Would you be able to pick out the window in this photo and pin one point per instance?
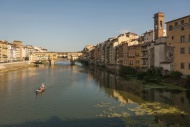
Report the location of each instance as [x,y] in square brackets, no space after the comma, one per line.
[189,66]
[176,23]
[156,23]
[182,28]
[160,24]
[156,27]
[182,65]
[183,38]
[172,37]
[182,21]
[170,28]
[182,50]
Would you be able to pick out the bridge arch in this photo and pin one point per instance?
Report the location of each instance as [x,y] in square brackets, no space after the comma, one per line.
[52,57]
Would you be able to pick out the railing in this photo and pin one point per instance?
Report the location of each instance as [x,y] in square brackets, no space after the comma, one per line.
[144,56]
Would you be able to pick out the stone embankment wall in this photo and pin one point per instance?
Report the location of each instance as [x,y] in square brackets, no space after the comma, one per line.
[13,66]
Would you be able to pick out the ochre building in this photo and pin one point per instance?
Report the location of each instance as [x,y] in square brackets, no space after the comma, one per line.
[178,36]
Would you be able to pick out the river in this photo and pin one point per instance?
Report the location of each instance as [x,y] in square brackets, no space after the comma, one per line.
[79,96]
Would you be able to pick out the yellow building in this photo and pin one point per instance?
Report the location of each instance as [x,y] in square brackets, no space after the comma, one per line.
[178,35]
[138,56]
[99,53]
[131,55]
[125,54]
[18,46]
[120,55]
[134,57]
[92,56]
[3,51]
[96,53]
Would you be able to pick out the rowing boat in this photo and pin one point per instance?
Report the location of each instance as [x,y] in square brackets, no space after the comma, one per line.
[41,89]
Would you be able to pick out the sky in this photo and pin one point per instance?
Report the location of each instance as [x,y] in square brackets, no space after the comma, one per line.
[70,25]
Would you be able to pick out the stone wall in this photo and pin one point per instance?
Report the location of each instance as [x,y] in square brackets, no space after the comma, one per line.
[12,66]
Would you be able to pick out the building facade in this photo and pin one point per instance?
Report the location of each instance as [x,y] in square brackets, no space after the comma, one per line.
[149,36]
[178,36]
[160,49]
[152,49]
[3,51]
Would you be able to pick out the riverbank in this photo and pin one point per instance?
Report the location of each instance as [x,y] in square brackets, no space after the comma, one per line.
[4,67]
[166,83]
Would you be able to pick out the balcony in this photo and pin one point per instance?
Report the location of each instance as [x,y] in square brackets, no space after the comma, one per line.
[5,56]
[144,56]
[137,55]
[144,50]
[131,56]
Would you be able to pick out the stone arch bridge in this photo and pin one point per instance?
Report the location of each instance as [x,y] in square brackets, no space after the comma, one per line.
[52,57]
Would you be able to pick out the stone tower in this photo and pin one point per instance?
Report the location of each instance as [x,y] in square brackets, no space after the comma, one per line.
[158,25]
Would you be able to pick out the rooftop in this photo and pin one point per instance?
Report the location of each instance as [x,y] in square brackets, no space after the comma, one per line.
[178,19]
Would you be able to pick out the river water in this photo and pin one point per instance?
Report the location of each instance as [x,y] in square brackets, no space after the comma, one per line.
[79,96]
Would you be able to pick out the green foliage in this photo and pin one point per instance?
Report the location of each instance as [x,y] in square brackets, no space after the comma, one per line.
[140,75]
[126,70]
[150,73]
[101,66]
[84,62]
[175,74]
[188,94]
[154,75]
[147,78]
[155,72]
[188,81]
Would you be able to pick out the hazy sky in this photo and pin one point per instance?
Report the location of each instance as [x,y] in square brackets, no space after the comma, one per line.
[70,25]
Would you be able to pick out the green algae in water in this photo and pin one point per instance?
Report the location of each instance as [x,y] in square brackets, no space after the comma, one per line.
[145,114]
[166,115]
[155,108]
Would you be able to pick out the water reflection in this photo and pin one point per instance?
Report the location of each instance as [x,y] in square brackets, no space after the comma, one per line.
[169,107]
[79,96]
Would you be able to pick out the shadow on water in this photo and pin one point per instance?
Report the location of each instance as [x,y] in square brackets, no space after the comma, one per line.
[140,121]
[57,122]
[157,121]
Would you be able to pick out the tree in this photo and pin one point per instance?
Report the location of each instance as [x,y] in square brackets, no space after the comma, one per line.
[188,81]
[175,74]
[126,70]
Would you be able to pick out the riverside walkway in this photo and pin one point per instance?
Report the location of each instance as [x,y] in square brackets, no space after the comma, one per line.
[13,66]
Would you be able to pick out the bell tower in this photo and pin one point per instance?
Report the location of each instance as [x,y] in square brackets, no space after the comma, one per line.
[158,25]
